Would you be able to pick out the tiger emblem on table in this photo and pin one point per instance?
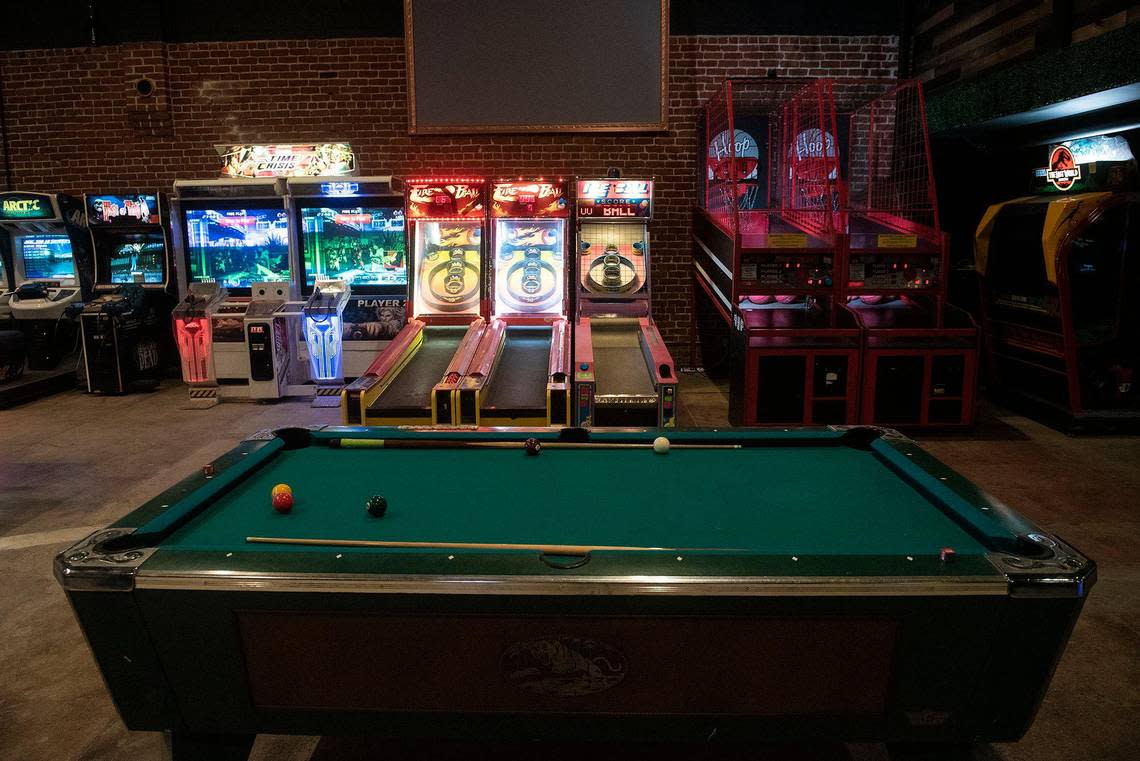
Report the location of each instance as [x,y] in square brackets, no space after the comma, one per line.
[563,666]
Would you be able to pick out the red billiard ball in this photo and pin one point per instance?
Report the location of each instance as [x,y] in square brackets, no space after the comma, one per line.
[283,502]
[532,447]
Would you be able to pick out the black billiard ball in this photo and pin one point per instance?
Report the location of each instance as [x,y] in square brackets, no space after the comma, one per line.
[532,446]
[377,506]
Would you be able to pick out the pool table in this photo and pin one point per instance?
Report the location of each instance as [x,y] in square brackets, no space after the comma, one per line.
[780,585]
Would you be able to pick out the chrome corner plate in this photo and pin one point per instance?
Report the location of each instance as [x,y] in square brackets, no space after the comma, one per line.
[890,434]
[1060,572]
[87,566]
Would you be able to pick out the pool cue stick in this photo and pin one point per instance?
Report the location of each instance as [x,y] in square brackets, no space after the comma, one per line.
[550,549]
[350,443]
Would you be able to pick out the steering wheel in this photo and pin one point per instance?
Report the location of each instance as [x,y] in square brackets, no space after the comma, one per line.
[32,291]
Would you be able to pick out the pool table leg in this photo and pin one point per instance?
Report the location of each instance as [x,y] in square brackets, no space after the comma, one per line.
[190,746]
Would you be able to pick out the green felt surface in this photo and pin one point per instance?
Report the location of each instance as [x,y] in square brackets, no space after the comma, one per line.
[828,500]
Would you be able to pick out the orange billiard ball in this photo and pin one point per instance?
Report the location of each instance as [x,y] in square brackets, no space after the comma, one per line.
[283,502]
[279,488]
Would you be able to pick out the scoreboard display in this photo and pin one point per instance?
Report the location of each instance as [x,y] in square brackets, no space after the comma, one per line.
[615,198]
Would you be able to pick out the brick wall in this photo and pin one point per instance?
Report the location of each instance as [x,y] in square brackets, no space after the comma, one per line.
[76,124]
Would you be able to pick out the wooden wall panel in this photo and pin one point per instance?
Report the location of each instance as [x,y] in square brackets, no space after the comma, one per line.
[954,40]
[1092,18]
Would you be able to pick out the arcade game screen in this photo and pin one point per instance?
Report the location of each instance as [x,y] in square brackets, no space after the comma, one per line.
[238,247]
[612,258]
[46,257]
[138,259]
[529,266]
[363,245]
[1017,263]
[448,266]
[137,209]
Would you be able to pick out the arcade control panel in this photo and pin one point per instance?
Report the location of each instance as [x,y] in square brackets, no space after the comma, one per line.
[788,271]
[887,273]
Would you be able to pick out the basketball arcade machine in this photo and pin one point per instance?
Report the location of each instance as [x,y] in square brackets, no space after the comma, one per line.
[233,239]
[349,235]
[767,253]
[127,339]
[1061,270]
[413,381]
[920,355]
[520,374]
[44,238]
[623,374]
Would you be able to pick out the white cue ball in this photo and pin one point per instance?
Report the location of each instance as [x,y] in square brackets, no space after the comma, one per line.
[661,445]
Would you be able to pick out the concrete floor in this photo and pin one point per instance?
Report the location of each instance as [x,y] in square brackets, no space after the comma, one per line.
[72,463]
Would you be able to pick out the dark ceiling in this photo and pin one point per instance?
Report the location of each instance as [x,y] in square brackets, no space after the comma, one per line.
[77,23]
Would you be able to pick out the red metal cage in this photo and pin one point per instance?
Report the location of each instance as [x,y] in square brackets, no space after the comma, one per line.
[890,180]
[721,172]
[798,168]
[919,360]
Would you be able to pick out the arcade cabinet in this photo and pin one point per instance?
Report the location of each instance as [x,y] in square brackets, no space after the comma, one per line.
[322,324]
[350,238]
[413,380]
[767,253]
[623,374]
[1060,272]
[272,336]
[50,254]
[127,339]
[920,357]
[520,374]
[191,320]
[6,288]
[12,346]
[234,234]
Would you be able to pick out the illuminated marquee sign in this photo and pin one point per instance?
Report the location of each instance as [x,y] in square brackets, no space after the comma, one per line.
[122,210]
[297,160]
[1099,162]
[446,199]
[615,198]
[17,207]
[1063,170]
[529,198]
[340,188]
